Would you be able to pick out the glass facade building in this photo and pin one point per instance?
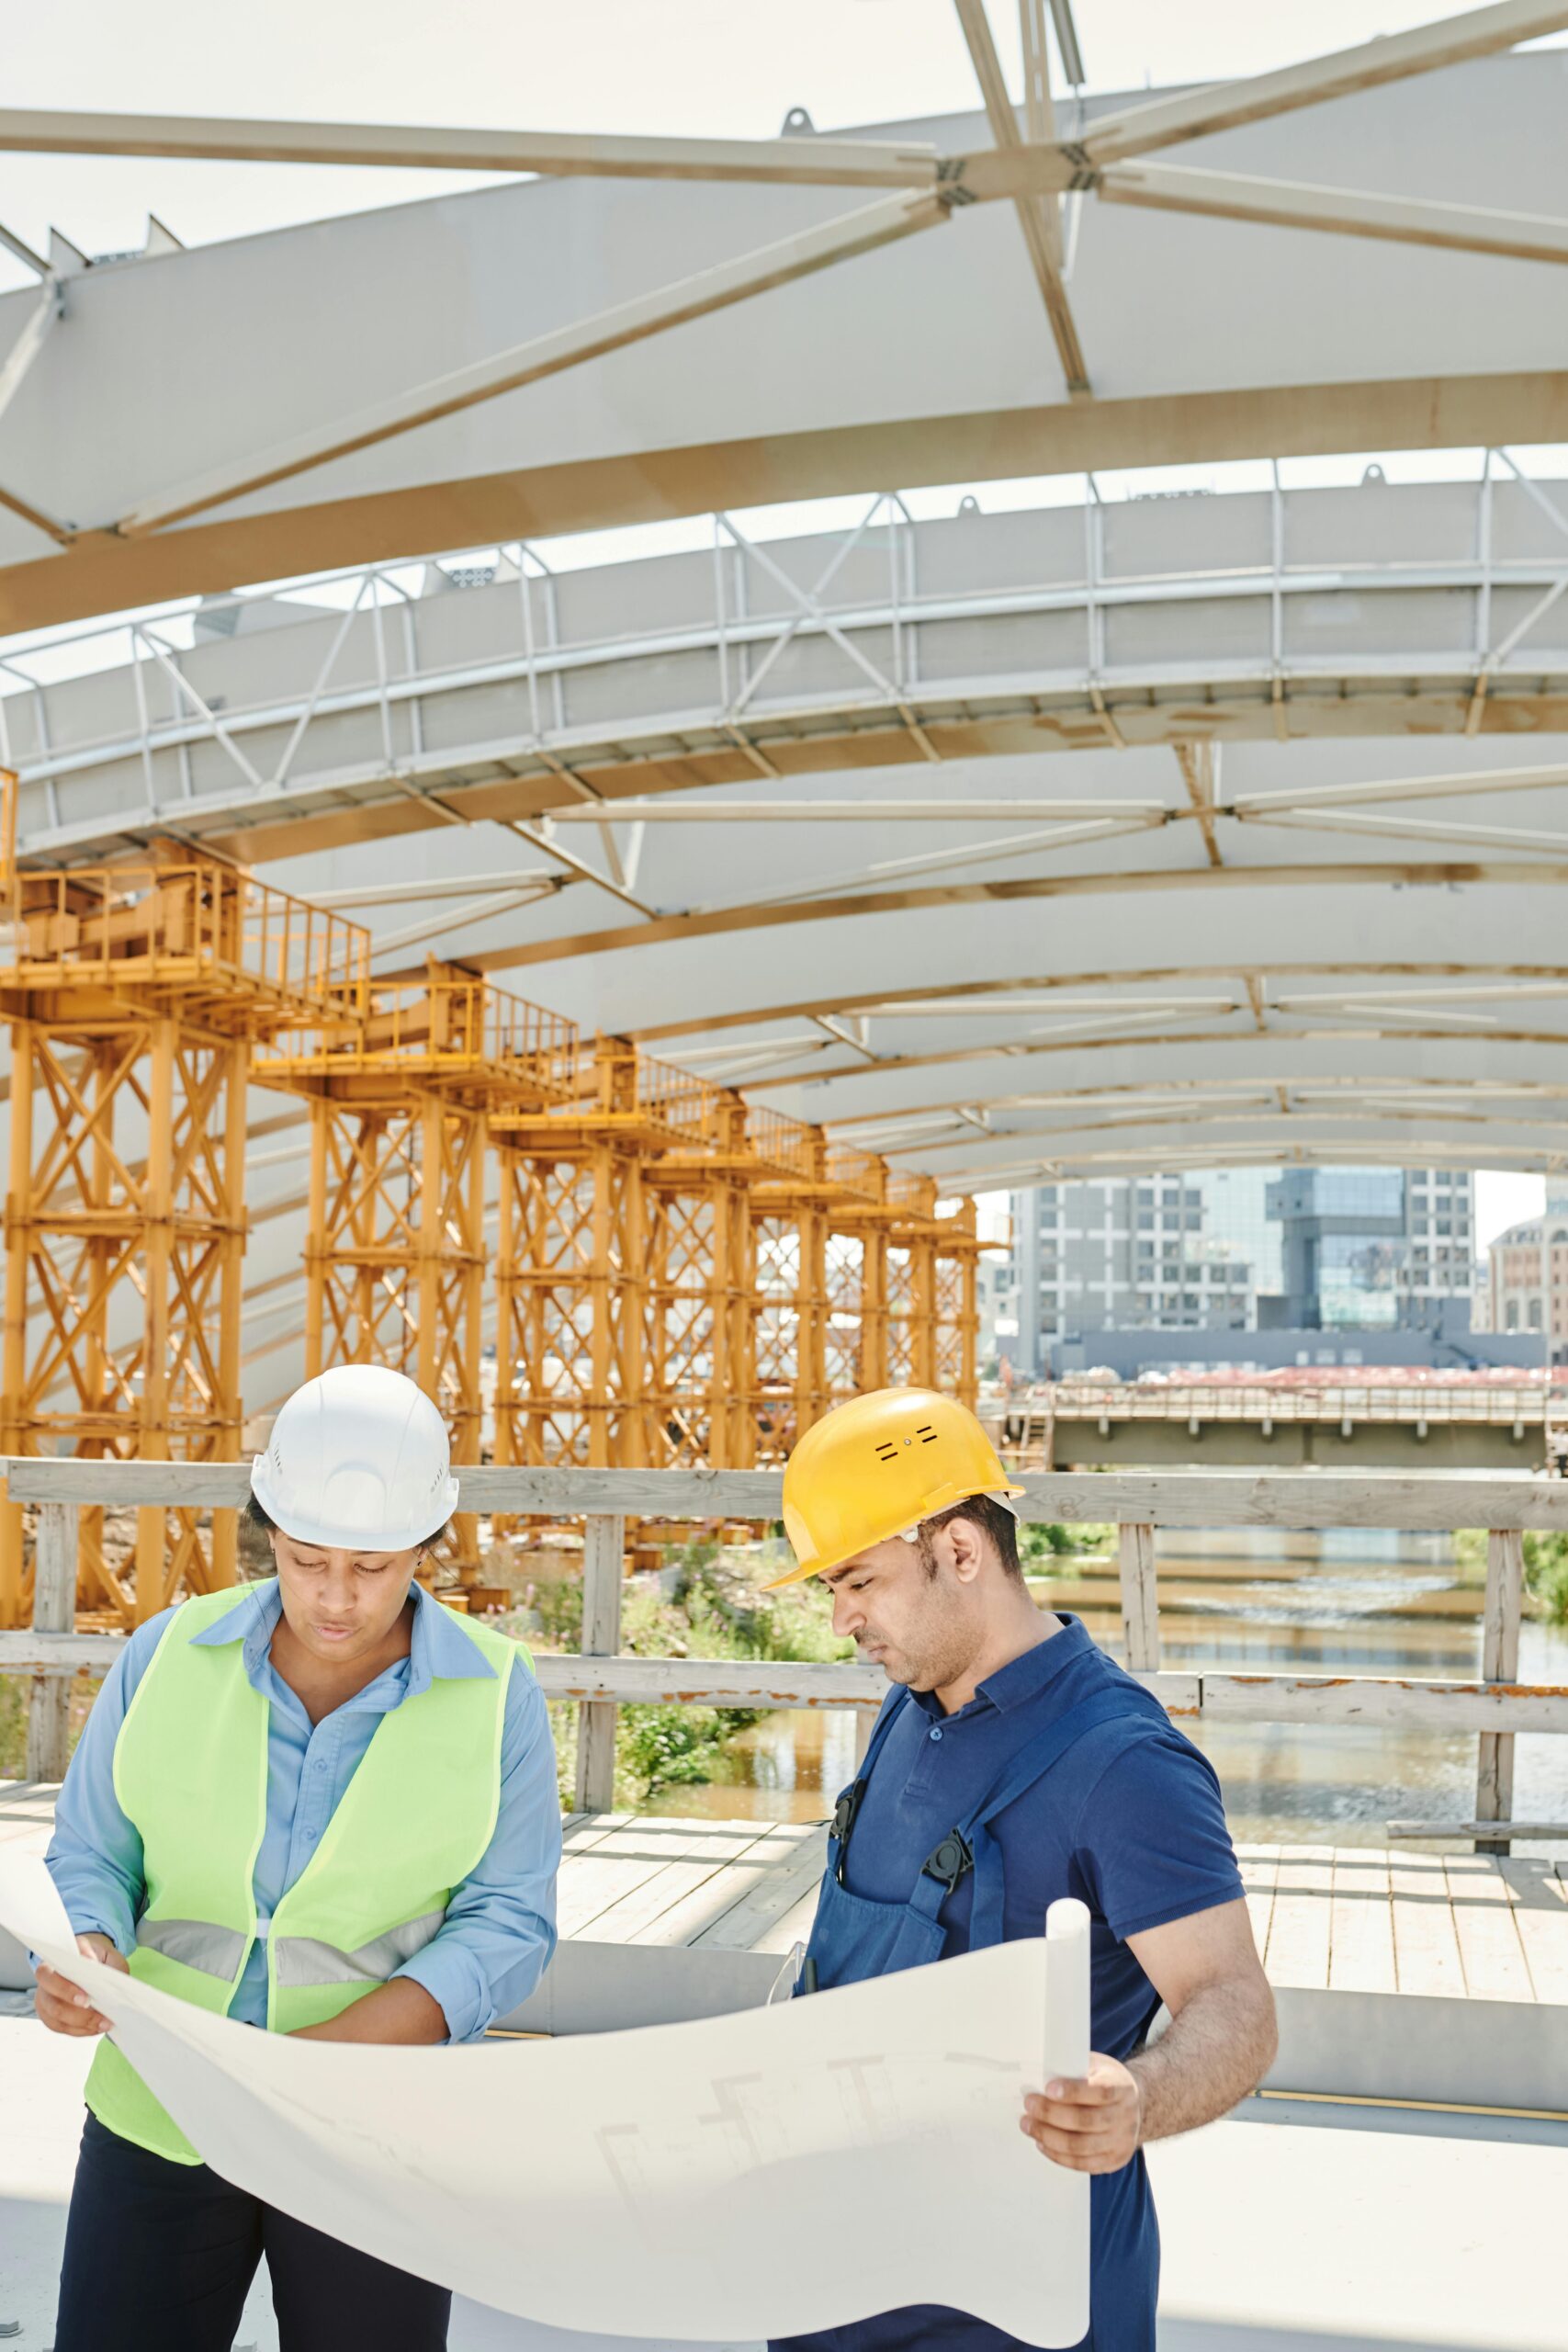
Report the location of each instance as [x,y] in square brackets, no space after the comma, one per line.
[1247,1248]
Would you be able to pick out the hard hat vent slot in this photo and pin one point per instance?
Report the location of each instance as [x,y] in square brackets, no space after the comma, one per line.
[885,1452]
[925,1434]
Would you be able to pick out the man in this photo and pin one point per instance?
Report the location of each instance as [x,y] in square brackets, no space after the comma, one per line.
[1014,1762]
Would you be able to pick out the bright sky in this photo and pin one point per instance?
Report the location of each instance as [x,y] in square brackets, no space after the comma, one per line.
[1504,1198]
[714,67]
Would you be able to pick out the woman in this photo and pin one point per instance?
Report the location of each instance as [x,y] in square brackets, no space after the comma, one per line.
[323,1805]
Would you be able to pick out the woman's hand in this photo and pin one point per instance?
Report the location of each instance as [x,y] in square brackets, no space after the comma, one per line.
[62,2005]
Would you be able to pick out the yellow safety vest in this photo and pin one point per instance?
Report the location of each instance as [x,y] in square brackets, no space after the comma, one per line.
[190,1772]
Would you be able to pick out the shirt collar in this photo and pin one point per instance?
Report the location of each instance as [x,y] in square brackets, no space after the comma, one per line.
[1022,1678]
[1025,1677]
[439,1649]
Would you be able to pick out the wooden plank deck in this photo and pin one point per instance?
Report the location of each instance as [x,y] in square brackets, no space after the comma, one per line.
[1347,1919]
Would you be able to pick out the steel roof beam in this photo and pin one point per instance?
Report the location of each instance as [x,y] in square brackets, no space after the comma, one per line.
[809,161]
[1225,105]
[1345,212]
[866,812]
[959,996]
[724,921]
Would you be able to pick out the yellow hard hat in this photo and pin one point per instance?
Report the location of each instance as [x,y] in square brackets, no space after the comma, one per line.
[876,1467]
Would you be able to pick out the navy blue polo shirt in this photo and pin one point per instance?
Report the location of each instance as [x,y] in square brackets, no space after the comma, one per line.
[1131,1821]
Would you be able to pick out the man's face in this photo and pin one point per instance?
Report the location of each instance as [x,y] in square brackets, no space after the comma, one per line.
[908,1612]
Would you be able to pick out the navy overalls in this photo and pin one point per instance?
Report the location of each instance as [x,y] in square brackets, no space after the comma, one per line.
[853,1937]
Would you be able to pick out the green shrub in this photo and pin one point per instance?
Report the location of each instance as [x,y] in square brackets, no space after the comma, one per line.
[14,1692]
[1546,1567]
[710,1602]
[1040,1548]
[13,1727]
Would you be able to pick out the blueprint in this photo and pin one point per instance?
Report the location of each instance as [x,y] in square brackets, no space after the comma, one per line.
[764,2174]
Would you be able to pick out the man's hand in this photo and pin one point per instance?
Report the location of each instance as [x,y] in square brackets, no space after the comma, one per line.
[61,2005]
[1089,2126]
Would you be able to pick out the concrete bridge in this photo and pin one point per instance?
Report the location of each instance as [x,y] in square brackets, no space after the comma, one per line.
[1403,1425]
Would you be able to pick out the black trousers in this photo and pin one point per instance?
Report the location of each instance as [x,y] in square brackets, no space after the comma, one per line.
[159,2257]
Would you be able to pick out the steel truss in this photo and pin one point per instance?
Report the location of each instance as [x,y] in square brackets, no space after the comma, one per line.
[134,994]
[372,723]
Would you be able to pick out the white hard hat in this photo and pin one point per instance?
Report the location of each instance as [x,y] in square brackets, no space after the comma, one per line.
[358,1460]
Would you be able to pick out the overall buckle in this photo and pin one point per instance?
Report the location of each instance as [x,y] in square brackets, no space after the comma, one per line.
[845,1814]
[947,1862]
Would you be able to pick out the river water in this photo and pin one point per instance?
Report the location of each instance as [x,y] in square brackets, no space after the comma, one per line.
[1334,1605]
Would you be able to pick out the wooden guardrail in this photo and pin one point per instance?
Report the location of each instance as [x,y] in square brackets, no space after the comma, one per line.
[1495,1707]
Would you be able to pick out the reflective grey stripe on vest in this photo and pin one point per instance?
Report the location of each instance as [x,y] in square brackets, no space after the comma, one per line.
[196,1943]
[303,1960]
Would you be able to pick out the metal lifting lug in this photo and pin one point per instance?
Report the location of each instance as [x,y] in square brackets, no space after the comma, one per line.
[948,1861]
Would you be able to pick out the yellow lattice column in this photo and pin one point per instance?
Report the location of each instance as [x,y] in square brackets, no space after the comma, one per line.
[701,1282]
[688,1327]
[811,1267]
[957,1305]
[449,1301]
[395,1256]
[571,1285]
[606,1278]
[617,1405]
[15,1597]
[738,1422]
[873,1308]
[125,1230]
[842,1327]
[913,1284]
[158,1246]
[812,1396]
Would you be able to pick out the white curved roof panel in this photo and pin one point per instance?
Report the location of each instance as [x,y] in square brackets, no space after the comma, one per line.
[930,359]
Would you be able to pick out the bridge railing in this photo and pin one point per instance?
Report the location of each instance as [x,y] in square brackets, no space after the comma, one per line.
[1496,1707]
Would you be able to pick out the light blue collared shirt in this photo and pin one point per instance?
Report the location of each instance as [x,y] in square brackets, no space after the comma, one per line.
[500,1929]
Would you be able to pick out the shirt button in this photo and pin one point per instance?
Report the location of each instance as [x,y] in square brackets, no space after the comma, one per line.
[936,1731]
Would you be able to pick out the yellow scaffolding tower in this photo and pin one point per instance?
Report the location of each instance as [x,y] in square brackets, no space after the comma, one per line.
[573,1352]
[395,1252]
[134,994]
[703,1279]
[808,1317]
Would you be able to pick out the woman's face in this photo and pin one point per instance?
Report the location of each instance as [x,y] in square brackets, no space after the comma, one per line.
[341,1605]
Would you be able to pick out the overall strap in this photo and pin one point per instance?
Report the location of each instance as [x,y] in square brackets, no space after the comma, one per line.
[967,1846]
[1036,1758]
[848,1807]
[1029,1767]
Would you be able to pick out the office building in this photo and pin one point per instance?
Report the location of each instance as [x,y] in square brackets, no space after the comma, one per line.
[1237,1249]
